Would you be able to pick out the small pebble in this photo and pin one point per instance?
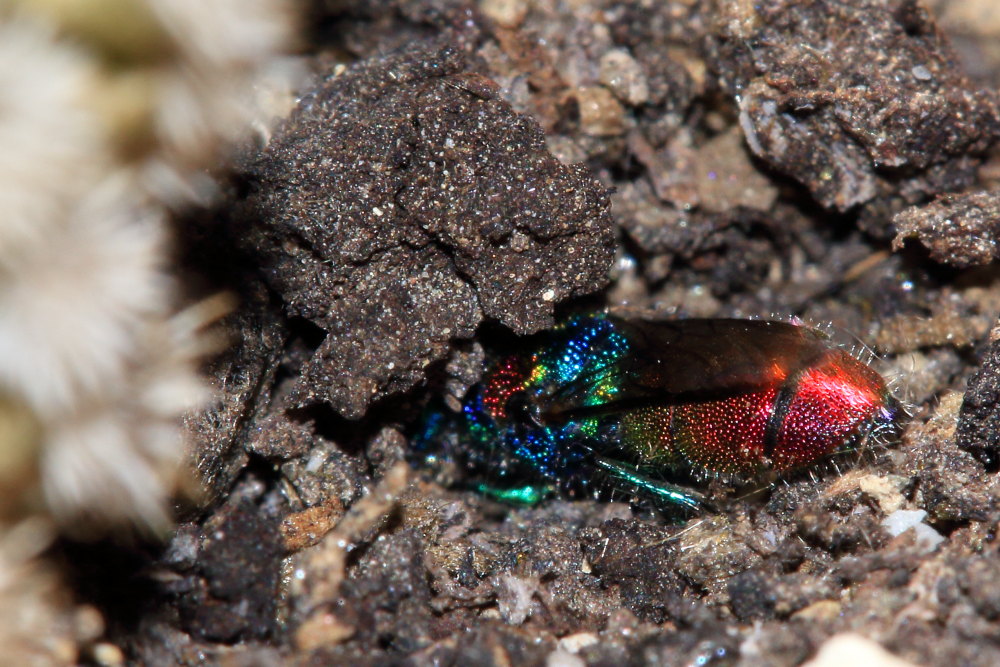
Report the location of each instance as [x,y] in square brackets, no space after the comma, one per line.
[900,521]
[601,115]
[622,74]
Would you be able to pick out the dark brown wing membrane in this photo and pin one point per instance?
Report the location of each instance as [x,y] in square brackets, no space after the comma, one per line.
[684,361]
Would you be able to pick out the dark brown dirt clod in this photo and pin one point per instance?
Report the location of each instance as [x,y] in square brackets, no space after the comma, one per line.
[978,429]
[958,230]
[400,204]
[834,93]
[243,378]
[232,592]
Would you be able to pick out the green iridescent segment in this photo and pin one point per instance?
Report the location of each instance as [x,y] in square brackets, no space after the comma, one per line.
[590,354]
[586,361]
[528,495]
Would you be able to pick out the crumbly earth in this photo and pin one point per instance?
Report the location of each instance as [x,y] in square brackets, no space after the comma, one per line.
[728,159]
[402,202]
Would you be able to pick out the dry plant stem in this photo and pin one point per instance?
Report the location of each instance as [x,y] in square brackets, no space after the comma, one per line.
[330,557]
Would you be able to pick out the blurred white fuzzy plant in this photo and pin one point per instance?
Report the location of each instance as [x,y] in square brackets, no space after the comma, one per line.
[111,112]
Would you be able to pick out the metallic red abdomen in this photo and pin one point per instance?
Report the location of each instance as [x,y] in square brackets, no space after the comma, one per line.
[829,404]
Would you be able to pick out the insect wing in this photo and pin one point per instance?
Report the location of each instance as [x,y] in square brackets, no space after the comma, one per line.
[687,361]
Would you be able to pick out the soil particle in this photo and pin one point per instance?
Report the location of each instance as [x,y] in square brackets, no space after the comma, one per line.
[978,428]
[951,485]
[624,554]
[232,591]
[834,93]
[726,179]
[243,378]
[957,230]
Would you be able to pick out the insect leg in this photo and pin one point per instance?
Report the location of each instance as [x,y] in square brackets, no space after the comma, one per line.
[658,490]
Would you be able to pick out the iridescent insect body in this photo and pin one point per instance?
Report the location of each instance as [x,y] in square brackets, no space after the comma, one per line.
[647,403]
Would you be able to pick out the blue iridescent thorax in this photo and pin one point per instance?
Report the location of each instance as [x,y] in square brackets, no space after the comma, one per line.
[503,412]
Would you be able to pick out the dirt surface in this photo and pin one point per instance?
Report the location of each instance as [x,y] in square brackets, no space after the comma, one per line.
[404,195]
[456,165]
